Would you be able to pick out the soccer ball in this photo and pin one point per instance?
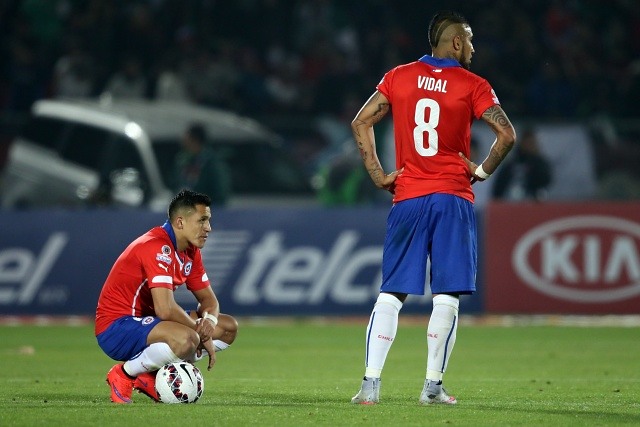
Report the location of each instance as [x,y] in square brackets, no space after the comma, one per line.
[179,382]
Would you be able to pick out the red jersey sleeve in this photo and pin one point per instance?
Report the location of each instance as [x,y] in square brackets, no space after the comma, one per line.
[157,264]
[386,83]
[483,97]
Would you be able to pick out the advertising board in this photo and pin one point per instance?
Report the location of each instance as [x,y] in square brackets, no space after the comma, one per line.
[581,258]
[293,262]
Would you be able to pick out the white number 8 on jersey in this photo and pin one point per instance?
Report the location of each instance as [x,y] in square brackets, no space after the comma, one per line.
[429,127]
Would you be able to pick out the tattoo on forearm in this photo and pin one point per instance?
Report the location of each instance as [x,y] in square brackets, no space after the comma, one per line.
[376,174]
[496,156]
[356,128]
[361,149]
[375,109]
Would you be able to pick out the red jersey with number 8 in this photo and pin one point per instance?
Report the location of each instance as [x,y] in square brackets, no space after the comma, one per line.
[433,103]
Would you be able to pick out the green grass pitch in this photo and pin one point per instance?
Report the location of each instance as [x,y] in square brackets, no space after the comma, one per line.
[304,373]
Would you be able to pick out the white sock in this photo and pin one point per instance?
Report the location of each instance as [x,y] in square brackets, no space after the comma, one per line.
[150,359]
[381,332]
[219,346]
[441,334]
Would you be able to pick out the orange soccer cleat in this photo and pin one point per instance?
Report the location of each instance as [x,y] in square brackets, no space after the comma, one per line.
[146,383]
[121,384]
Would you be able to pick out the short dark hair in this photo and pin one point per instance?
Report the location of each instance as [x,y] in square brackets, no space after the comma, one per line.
[187,199]
[440,22]
[197,131]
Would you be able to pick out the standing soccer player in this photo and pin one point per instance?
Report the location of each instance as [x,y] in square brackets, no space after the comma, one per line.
[138,320]
[433,101]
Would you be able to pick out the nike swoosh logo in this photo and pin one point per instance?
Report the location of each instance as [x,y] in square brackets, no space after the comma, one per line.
[120,395]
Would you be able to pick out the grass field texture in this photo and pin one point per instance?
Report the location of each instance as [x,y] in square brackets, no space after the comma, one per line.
[304,373]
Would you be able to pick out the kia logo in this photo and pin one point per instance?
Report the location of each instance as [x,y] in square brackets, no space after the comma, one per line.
[588,259]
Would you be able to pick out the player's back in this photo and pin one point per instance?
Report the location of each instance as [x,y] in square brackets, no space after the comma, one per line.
[433,103]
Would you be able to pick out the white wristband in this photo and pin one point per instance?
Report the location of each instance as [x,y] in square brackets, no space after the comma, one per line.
[480,173]
[211,317]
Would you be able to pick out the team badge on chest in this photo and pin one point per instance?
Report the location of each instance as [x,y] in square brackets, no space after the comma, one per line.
[187,268]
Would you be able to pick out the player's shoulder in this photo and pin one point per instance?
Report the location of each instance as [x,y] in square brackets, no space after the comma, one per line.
[476,78]
[409,67]
[462,73]
[154,239]
[402,73]
[465,80]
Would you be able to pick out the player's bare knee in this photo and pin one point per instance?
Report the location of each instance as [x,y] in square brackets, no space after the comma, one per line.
[194,341]
[230,327]
[185,343]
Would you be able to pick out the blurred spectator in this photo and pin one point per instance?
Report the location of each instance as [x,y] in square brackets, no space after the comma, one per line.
[26,76]
[336,131]
[128,81]
[526,175]
[344,182]
[252,88]
[139,34]
[199,168]
[550,93]
[169,85]
[73,74]
[282,83]
[211,79]
[338,170]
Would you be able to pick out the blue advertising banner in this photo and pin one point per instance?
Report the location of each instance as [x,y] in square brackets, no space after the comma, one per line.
[292,262]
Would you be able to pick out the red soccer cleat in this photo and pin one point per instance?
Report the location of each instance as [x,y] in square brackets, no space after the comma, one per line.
[146,383]
[121,384]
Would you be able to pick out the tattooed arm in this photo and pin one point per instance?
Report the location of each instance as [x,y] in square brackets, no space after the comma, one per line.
[498,121]
[376,107]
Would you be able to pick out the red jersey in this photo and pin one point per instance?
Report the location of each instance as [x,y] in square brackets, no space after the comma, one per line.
[433,103]
[150,261]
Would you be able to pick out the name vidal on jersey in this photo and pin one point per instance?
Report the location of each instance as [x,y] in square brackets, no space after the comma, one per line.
[429,83]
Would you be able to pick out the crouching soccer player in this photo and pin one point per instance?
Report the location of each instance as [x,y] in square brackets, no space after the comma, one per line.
[138,321]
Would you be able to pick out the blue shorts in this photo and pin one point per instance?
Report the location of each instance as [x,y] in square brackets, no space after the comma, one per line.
[440,228]
[126,337]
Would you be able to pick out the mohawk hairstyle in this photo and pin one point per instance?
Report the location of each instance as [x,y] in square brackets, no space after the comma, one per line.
[440,22]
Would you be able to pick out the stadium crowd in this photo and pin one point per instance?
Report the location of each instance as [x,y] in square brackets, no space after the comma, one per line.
[548,58]
[297,60]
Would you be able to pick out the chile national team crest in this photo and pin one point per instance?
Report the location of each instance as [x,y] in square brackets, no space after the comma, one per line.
[187,268]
